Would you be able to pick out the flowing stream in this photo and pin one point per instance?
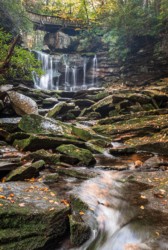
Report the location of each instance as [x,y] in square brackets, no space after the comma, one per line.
[116,213]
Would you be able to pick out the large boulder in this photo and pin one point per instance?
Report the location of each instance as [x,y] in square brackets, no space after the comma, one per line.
[22,104]
[84,156]
[44,155]
[40,125]
[35,142]
[31,217]
[60,41]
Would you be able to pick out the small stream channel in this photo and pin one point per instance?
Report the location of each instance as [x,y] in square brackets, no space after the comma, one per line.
[116,216]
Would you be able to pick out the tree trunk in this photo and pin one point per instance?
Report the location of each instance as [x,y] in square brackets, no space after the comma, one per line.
[5,64]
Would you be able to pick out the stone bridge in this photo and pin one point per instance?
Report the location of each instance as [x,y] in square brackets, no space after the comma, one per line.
[55,23]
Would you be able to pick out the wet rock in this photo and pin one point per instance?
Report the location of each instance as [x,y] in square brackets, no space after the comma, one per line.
[68,116]
[103,106]
[152,163]
[97,97]
[35,142]
[60,109]
[50,101]
[81,133]
[122,151]
[30,221]
[77,204]
[56,109]
[43,155]
[138,97]
[4,88]
[101,142]
[22,104]
[93,116]
[84,156]
[3,134]
[154,147]
[79,230]
[51,177]
[84,103]
[9,124]
[17,136]
[8,166]
[77,173]
[27,171]
[40,125]
[148,107]
[1,105]
[94,148]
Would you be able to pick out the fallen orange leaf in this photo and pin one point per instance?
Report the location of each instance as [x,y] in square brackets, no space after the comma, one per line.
[2,197]
[65,202]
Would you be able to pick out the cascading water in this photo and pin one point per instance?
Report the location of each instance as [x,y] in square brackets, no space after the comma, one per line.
[85,61]
[94,69]
[65,72]
[74,74]
[46,80]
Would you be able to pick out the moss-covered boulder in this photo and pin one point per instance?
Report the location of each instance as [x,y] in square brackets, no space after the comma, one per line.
[94,148]
[84,156]
[45,155]
[79,230]
[77,173]
[51,177]
[103,106]
[35,142]
[84,103]
[60,109]
[81,133]
[28,219]
[39,125]
[27,171]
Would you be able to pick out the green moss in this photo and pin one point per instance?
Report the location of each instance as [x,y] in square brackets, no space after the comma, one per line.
[79,231]
[77,204]
[81,133]
[83,155]
[17,136]
[44,142]
[56,109]
[44,155]
[75,173]
[26,171]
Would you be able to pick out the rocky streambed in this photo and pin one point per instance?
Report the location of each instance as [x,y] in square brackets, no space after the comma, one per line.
[84,170]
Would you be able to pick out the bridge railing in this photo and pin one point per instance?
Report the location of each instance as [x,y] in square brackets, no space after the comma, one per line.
[54,20]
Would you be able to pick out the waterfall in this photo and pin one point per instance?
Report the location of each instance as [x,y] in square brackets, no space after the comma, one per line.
[74,75]
[67,73]
[94,70]
[84,72]
[64,72]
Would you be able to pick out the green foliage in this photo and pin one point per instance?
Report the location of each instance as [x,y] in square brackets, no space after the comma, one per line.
[22,63]
[13,17]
